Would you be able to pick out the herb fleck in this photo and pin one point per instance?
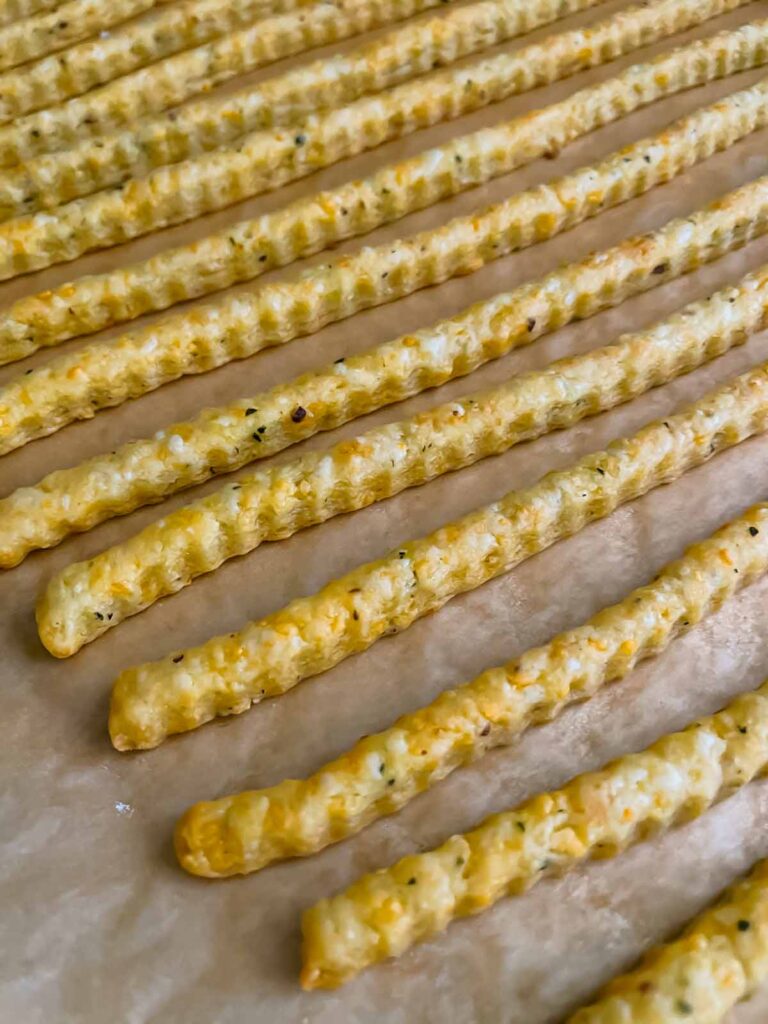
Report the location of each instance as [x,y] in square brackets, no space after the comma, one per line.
[298,414]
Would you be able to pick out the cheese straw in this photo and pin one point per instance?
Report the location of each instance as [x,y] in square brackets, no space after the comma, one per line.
[47,181]
[381,773]
[248,248]
[77,385]
[597,815]
[89,597]
[229,673]
[720,959]
[137,140]
[170,28]
[224,438]
[47,32]
[264,160]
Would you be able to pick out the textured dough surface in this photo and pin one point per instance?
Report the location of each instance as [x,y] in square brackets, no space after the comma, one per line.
[47,181]
[720,959]
[76,386]
[143,143]
[160,32]
[15,10]
[228,674]
[381,773]
[50,31]
[249,248]
[597,815]
[230,436]
[264,160]
[210,122]
[274,503]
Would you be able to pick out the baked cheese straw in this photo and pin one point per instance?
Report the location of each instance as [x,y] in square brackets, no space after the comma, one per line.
[331,82]
[275,239]
[75,386]
[266,160]
[157,34]
[596,815]
[381,773]
[720,959]
[47,181]
[230,436]
[228,674]
[89,597]
[73,21]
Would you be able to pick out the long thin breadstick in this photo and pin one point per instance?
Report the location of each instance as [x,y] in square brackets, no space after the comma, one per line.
[157,34]
[275,239]
[76,386]
[596,815]
[88,597]
[208,123]
[228,674]
[381,773]
[720,959]
[50,31]
[47,181]
[223,438]
[264,160]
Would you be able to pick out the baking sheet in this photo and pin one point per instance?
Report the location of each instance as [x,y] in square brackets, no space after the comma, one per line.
[99,924]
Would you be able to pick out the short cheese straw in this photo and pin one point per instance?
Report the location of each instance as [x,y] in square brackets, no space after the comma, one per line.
[230,436]
[597,815]
[89,597]
[381,773]
[250,247]
[720,959]
[228,674]
[47,181]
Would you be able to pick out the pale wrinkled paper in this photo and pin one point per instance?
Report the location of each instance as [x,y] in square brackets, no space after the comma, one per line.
[98,922]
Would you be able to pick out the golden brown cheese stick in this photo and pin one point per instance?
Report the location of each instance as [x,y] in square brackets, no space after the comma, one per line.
[157,34]
[720,959]
[275,239]
[47,181]
[228,674]
[89,597]
[105,374]
[381,773]
[47,32]
[226,437]
[596,815]
[265,160]
[214,121]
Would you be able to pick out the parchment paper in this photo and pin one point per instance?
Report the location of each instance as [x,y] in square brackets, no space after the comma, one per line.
[98,923]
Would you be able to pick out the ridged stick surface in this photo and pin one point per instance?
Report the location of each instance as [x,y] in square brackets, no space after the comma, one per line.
[227,437]
[230,673]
